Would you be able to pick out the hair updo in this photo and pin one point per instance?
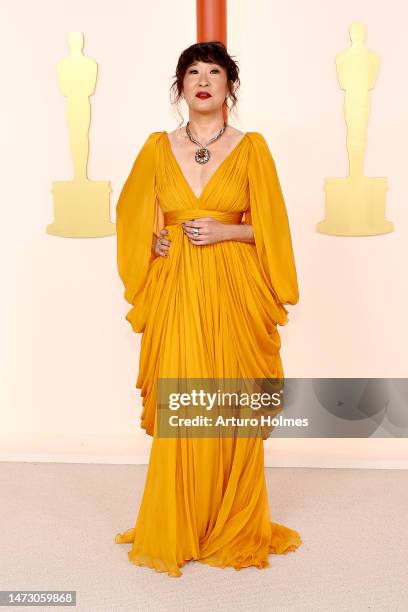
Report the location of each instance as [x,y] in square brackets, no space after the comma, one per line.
[213,52]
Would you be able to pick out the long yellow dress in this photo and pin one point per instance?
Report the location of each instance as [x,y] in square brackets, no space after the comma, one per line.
[205,311]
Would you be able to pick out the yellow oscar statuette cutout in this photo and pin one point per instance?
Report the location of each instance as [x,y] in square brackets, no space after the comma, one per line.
[355,205]
[81,206]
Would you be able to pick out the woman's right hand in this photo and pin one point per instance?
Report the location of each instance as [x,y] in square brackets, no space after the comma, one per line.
[162,244]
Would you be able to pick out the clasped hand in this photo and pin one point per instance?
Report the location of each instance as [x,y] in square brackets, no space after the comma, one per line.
[210,231]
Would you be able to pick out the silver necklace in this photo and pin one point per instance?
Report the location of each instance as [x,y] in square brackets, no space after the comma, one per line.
[202,155]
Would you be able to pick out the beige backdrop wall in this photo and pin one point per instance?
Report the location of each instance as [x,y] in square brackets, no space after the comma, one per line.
[69,358]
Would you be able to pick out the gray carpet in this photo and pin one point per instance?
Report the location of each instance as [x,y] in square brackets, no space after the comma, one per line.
[59,522]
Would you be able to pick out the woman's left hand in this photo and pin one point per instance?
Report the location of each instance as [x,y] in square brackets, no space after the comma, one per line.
[211,230]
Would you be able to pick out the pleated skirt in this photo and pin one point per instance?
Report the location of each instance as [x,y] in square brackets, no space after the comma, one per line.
[209,313]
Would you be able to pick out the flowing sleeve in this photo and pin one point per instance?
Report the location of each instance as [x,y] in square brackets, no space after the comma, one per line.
[267,213]
[137,218]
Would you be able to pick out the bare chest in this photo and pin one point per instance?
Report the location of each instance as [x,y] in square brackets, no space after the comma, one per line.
[198,175]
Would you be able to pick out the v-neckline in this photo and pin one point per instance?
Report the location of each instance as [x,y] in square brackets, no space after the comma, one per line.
[212,177]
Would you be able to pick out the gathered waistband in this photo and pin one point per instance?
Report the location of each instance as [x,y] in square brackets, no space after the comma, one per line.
[172,217]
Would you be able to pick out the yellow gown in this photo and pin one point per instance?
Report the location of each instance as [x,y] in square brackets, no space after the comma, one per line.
[205,311]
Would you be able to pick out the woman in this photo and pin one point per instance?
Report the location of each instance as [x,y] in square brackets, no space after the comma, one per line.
[205,255]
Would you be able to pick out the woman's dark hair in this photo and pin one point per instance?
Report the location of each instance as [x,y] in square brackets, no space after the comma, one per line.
[213,52]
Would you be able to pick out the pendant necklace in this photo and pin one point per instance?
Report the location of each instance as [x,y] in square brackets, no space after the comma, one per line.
[202,154]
